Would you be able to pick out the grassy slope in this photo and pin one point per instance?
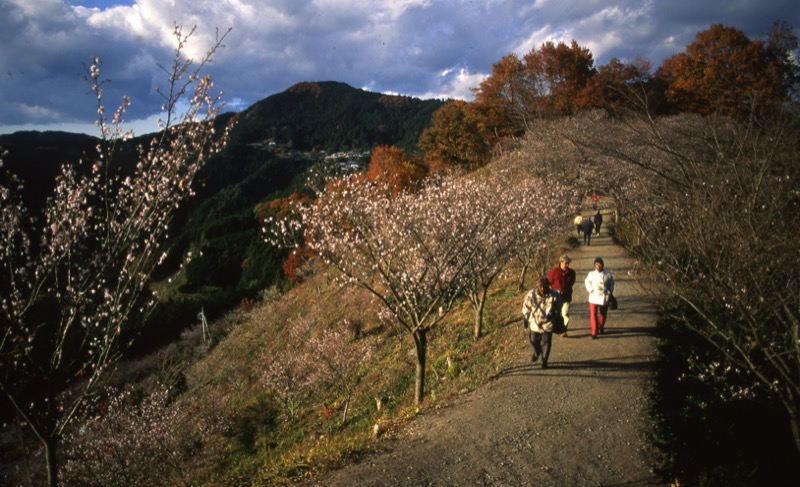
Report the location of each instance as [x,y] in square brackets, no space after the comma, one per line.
[266,446]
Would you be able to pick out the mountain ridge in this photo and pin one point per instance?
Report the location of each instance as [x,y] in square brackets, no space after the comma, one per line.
[332,116]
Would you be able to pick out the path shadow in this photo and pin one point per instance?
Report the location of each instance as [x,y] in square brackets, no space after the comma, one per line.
[635,363]
[627,332]
[613,332]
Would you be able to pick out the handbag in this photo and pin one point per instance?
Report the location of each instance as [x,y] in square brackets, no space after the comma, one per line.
[558,322]
[612,302]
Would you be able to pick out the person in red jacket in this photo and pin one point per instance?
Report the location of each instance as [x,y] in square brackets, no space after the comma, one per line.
[562,278]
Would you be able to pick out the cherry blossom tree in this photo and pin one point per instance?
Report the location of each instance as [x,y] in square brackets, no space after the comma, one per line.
[513,214]
[285,372]
[337,355]
[409,251]
[316,355]
[73,278]
[125,442]
[560,171]
[417,252]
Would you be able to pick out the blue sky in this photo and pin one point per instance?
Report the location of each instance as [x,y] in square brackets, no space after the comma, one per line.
[422,48]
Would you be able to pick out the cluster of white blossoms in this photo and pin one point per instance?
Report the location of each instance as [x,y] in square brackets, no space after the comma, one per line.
[420,251]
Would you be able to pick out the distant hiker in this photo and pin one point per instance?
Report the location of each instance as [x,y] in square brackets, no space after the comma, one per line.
[598,221]
[561,279]
[586,228]
[595,199]
[599,284]
[538,309]
[578,220]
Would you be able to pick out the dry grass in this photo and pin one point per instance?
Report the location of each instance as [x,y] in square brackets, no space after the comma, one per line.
[224,381]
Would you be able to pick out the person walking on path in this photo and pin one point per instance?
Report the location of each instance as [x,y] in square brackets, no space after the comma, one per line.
[537,310]
[586,228]
[561,278]
[598,221]
[599,284]
[578,221]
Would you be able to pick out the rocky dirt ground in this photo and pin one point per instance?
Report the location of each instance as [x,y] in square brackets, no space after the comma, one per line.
[580,422]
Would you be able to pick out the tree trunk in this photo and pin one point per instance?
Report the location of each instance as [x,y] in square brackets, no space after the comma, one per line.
[795,423]
[421,342]
[522,274]
[480,304]
[344,415]
[50,450]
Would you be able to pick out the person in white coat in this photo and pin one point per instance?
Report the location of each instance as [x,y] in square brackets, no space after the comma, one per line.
[599,284]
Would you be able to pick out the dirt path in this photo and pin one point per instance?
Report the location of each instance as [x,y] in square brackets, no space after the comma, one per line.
[580,422]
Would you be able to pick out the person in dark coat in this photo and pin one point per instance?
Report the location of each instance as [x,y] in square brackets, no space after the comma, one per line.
[562,279]
[586,228]
[598,221]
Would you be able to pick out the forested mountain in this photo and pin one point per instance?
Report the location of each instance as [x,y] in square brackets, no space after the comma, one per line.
[333,116]
[272,144]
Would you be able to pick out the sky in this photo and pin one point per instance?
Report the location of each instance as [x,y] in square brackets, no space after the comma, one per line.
[422,48]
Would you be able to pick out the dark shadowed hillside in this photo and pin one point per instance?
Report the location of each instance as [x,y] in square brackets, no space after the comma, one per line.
[36,156]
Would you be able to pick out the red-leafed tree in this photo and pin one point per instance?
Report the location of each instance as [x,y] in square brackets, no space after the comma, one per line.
[504,98]
[724,71]
[297,263]
[389,165]
[559,74]
[623,86]
[457,136]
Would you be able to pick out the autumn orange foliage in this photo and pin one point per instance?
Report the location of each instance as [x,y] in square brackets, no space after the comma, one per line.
[503,98]
[389,165]
[281,207]
[560,74]
[457,136]
[296,264]
[724,71]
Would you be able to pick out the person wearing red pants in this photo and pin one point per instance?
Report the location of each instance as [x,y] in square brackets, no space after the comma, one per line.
[599,284]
